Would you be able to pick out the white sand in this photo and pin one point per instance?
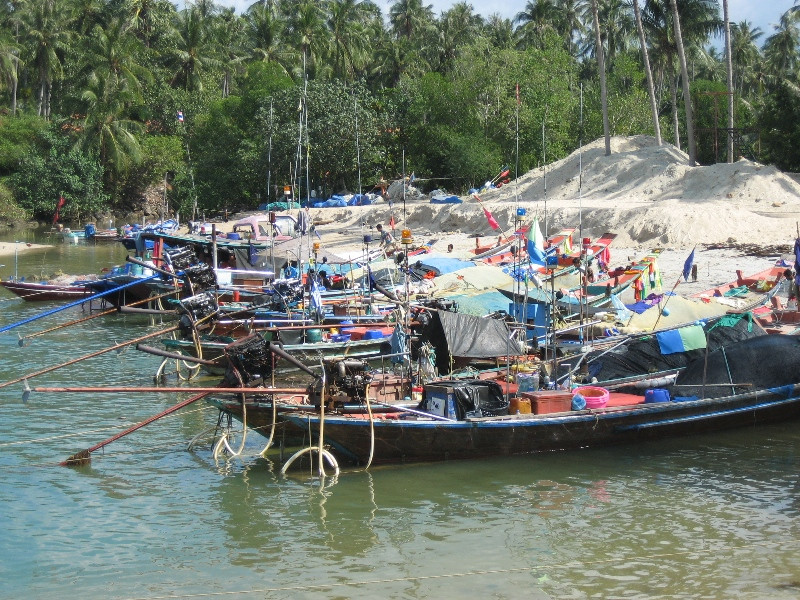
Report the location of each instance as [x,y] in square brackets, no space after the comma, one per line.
[648,195]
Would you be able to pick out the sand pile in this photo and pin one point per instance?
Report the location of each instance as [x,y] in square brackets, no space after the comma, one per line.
[646,194]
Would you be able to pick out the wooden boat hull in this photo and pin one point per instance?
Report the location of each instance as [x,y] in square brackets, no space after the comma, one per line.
[41,292]
[414,440]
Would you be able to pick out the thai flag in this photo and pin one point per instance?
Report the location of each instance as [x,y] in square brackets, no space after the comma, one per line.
[180,116]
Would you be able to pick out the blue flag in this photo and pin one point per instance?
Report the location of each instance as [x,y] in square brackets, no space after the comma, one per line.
[797,261]
[687,266]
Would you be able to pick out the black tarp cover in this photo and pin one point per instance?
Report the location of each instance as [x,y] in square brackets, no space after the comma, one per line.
[765,362]
[467,336]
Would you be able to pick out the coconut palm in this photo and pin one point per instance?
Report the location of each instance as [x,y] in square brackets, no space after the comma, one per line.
[781,48]
[651,92]
[308,36]
[499,31]
[409,18]
[9,64]
[687,99]
[47,31]
[458,27]
[265,29]
[745,54]
[569,23]
[348,22]
[535,21]
[194,52]
[602,71]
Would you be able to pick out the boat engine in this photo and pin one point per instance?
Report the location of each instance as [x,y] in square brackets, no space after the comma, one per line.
[196,308]
[346,382]
[180,258]
[201,277]
[249,360]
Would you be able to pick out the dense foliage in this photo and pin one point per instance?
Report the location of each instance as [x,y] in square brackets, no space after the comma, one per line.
[332,95]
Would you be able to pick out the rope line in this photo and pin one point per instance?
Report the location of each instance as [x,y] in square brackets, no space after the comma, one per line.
[421,578]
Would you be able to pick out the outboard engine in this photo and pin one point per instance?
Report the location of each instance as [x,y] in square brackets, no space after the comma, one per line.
[346,380]
[249,360]
[195,309]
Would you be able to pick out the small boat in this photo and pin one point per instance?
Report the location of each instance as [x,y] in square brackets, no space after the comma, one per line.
[722,390]
[69,289]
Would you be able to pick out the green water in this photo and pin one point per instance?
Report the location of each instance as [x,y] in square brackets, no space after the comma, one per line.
[715,516]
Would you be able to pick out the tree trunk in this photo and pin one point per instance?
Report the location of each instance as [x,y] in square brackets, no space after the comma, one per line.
[601,66]
[729,65]
[687,99]
[673,90]
[650,87]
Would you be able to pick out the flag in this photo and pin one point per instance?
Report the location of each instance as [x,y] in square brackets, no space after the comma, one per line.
[536,244]
[59,204]
[391,222]
[517,94]
[180,116]
[316,298]
[492,221]
[687,266]
[797,260]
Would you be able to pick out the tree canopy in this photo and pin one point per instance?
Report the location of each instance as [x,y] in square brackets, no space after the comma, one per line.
[333,95]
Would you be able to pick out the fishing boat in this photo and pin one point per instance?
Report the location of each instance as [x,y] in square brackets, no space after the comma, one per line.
[48,291]
[720,391]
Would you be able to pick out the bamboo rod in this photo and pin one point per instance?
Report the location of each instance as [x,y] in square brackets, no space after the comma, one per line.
[157,389]
[87,356]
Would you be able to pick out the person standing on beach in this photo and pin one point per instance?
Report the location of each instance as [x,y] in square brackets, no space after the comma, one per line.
[387,240]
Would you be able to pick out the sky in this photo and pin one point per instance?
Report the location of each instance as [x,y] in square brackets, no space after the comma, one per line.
[761,13]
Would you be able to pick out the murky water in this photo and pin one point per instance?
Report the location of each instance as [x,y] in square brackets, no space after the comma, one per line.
[715,516]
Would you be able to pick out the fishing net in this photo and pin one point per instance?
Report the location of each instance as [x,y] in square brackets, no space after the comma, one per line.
[642,355]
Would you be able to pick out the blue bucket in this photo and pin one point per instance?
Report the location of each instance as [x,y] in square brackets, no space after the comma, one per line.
[656,395]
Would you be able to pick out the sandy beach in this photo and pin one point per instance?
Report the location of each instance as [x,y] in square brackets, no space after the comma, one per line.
[10,248]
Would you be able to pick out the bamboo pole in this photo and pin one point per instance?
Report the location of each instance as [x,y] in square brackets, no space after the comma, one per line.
[87,356]
[168,389]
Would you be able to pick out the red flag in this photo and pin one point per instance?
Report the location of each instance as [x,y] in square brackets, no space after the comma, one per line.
[391,222]
[60,203]
[517,94]
[492,222]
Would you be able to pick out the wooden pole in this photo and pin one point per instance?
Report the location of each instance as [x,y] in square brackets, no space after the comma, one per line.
[173,389]
[87,356]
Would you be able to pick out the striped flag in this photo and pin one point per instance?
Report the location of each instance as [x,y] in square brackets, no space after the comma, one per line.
[180,116]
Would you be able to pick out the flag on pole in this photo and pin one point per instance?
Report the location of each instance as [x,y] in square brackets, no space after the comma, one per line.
[59,204]
[797,259]
[687,266]
[392,222]
[518,95]
[316,298]
[536,245]
[492,221]
[180,116]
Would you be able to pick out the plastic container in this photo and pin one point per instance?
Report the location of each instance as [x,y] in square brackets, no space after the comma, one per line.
[545,402]
[527,382]
[596,397]
[340,337]
[373,335]
[234,236]
[314,335]
[519,405]
[656,395]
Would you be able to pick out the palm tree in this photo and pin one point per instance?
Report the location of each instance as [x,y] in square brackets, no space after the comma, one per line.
[348,22]
[729,69]
[745,54]
[265,29]
[9,64]
[781,48]
[651,91]
[458,27]
[534,22]
[410,17]
[194,54]
[601,66]
[308,35]
[47,30]
[499,31]
[229,37]
[112,54]
[107,129]
[569,23]
[687,99]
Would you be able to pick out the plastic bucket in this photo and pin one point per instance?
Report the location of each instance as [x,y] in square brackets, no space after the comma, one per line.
[596,397]
[656,395]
